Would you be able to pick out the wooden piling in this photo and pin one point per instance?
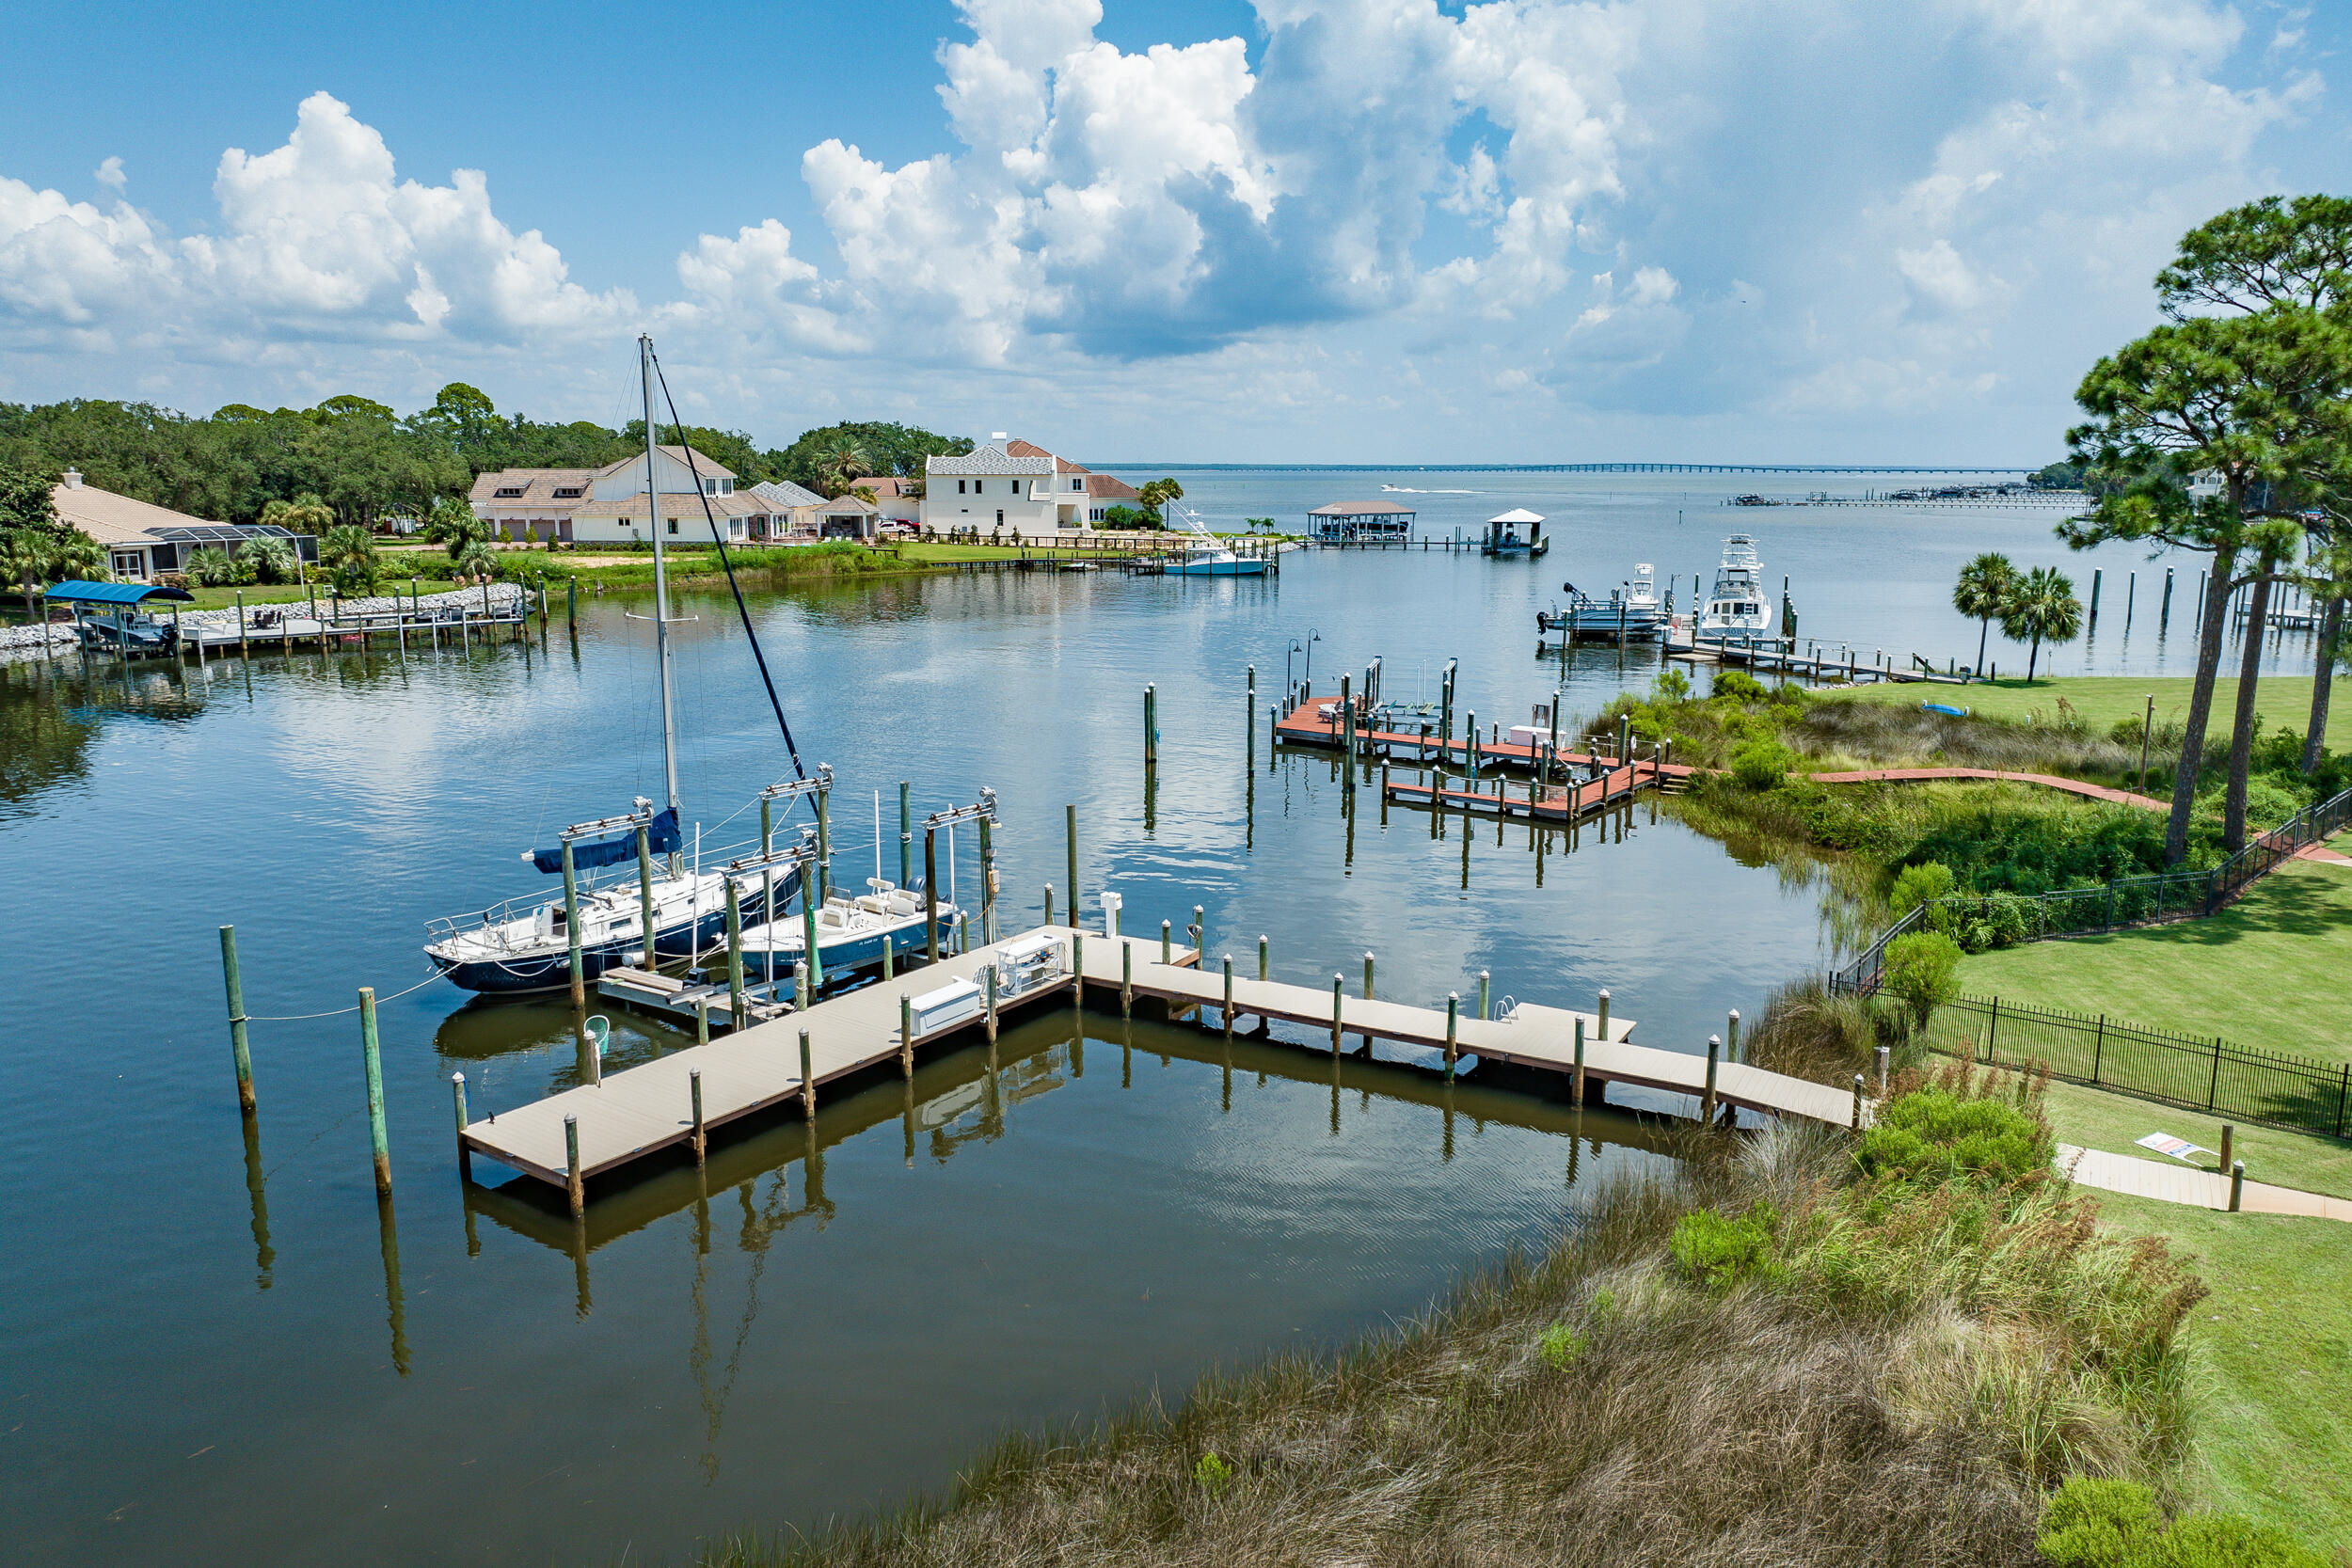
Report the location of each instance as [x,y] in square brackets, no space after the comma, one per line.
[1485,1006]
[2238,1187]
[987,884]
[887,948]
[645,895]
[1167,943]
[244,647]
[1069,826]
[1367,975]
[990,970]
[824,856]
[1264,958]
[906,1035]
[1126,978]
[1229,997]
[906,836]
[572,1185]
[377,1142]
[1249,718]
[1714,1053]
[571,929]
[465,1155]
[808,1080]
[701,1019]
[1453,1025]
[1603,1012]
[1576,1081]
[240,1049]
[931,894]
[1338,983]
[1151,727]
[695,1093]
[1731,1037]
[737,1016]
[1049,903]
[2229,1140]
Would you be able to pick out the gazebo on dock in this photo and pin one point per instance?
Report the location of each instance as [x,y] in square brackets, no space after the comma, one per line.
[1360,522]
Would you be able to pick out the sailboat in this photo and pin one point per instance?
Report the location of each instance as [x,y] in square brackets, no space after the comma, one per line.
[850,929]
[524,944]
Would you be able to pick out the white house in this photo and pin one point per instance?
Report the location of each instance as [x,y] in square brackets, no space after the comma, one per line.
[608,505]
[144,540]
[1011,486]
[795,513]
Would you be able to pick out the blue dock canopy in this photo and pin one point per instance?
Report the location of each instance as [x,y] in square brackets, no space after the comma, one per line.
[112,592]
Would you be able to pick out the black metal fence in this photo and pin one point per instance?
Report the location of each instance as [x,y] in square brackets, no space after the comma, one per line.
[2231,1081]
[2124,902]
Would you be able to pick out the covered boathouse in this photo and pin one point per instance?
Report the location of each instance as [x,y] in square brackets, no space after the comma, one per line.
[1359,522]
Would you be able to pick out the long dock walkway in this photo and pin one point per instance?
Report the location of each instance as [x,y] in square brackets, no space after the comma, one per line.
[2048,781]
[648,1108]
[1781,655]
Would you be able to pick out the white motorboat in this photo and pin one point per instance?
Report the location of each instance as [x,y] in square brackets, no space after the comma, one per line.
[1738,607]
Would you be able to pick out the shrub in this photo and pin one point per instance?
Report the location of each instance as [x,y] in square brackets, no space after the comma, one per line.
[1997,920]
[2092,1523]
[1761,765]
[1561,1345]
[1808,1031]
[1920,884]
[271,559]
[1740,686]
[209,567]
[1946,1132]
[1212,1473]
[1923,972]
[1720,1250]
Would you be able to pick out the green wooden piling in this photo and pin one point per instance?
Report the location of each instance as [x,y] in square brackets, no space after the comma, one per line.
[1707,1103]
[906,1035]
[1069,825]
[465,1155]
[377,1141]
[1484,1011]
[1265,973]
[1576,1081]
[702,1021]
[734,956]
[808,1080]
[1731,1037]
[931,892]
[573,1188]
[240,1049]
[1338,983]
[1604,1030]
[644,893]
[1049,903]
[1229,997]
[906,836]
[1453,1023]
[694,1094]
[824,848]
[571,602]
[571,929]
[1126,978]
[888,952]
[1168,945]
[1367,975]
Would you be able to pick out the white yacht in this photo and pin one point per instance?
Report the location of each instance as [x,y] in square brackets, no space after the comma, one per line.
[1737,608]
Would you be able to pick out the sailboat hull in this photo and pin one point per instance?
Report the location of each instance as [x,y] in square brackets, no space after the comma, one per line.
[550,969]
[855,950]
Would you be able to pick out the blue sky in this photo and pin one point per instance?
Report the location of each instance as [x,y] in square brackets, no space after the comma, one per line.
[1814,230]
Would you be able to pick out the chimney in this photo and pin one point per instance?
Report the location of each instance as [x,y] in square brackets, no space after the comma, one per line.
[73,479]
[995,435]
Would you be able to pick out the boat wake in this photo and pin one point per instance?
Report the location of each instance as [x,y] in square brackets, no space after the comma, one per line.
[1408,490]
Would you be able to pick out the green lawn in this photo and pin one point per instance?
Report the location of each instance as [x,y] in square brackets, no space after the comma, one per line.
[2103,698]
[2273,1350]
[2262,973]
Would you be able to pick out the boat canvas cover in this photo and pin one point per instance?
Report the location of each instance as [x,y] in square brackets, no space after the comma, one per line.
[612,849]
[113,592]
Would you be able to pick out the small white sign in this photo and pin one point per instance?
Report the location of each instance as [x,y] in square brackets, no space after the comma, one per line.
[2165,1143]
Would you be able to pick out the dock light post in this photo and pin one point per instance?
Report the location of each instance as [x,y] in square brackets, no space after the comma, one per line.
[240,1049]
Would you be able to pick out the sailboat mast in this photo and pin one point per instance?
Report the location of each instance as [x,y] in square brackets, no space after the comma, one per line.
[661,583]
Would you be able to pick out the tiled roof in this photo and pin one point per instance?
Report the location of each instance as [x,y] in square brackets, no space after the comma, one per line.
[992,460]
[708,467]
[113,519]
[784,496]
[1104,487]
[537,485]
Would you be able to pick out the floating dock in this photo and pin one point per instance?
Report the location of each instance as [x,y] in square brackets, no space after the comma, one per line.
[568,1138]
[1317,721]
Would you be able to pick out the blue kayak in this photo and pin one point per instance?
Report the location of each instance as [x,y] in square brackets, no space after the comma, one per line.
[1944,708]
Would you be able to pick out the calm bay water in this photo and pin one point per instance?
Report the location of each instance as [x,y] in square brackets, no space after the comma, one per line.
[222,1352]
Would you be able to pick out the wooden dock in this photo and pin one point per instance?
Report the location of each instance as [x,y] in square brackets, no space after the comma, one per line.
[568,1138]
[1779,655]
[1562,803]
[1317,721]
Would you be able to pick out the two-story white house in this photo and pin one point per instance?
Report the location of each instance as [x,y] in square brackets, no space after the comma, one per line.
[608,505]
[1010,485]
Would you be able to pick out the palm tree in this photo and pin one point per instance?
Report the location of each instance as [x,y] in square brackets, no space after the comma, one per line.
[25,554]
[1985,589]
[2043,609]
[348,553]
[452,524]
[842,465]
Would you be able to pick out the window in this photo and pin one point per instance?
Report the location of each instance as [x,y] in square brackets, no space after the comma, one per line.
[1000,516]
[710,487]
[959,488]
[976,487]
[572,493]
[513,492]
[726,487]
[1077,482]
[673,525]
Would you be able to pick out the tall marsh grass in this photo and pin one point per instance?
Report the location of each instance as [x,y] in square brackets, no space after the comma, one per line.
[1913,1367]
